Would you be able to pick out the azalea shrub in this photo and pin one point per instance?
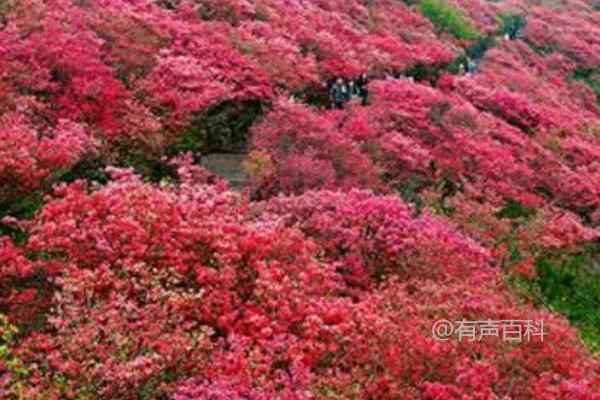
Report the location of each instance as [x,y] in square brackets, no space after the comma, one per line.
[414,136]
[128,271]
[30,159]
[191,291]
[307,151]
[577,38]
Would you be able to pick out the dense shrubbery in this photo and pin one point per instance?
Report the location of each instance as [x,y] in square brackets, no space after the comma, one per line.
[570,284]
[152,286]
[448,19]
[29,160]
[469,196]
[413,134]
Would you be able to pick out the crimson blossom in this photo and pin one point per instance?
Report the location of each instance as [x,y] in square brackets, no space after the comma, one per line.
[190,291]
[456,158]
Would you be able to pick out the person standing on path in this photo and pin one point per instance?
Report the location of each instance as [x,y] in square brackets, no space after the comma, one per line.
[339,94]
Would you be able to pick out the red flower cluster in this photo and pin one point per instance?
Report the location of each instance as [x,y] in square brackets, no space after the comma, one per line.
[321,282]
[415,136]
[29,158]
[136,70]
[308,151]
[571,31]
[329,292]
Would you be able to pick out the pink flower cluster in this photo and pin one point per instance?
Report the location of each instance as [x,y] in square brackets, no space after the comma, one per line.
[362,227]
[193,292]
[436,142]
[29,158]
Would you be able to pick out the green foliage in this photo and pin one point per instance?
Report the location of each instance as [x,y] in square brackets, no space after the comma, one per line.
[221,129]
[17,235]
[567,283]
[4,9]
[478,49]
[22,208]
[454,68]
[513,210]
[570,285]
[12,363]
[410,193]
[90,169]
[513,21]
[168,4]
[591,78]
[449,19]
[424,72]
[144,163]
[316,97]
[210,10]
[25,207]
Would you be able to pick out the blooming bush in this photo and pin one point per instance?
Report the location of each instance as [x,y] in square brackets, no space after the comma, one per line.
[191,291]
[307,151]
[29,160]
[202,70]
[413,137]
[577,39]
[448,196]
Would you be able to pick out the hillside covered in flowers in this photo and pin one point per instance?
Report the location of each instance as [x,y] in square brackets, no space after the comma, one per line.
[460,182]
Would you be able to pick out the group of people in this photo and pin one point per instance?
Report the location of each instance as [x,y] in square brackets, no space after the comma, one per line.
[341,91]
[514,31]
[470,68]
[398,75]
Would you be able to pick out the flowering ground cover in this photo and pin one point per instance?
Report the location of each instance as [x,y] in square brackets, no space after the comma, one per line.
[128,271]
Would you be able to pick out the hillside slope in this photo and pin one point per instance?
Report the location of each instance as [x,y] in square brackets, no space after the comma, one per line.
[464,185]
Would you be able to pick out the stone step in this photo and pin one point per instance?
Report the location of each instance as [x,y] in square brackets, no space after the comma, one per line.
[228,166]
